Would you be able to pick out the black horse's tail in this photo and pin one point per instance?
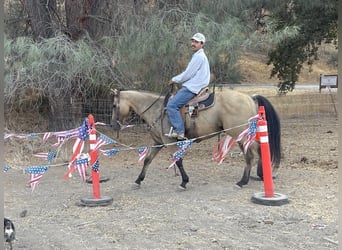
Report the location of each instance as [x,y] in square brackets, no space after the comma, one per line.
[273,127]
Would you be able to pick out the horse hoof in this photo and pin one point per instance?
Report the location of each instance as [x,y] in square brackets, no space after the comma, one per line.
[181,188]
[239,184]
[261,178]
[135,186]
[256,178]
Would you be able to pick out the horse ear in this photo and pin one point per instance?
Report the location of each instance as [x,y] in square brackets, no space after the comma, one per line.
[114,91]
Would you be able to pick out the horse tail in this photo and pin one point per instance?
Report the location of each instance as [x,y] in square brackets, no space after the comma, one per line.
[273,127]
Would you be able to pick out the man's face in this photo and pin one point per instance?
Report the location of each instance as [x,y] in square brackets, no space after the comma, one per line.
[195,45]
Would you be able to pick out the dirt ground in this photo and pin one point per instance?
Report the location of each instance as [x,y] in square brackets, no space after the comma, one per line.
[211,214]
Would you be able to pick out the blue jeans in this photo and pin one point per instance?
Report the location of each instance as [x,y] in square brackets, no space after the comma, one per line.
[182,97]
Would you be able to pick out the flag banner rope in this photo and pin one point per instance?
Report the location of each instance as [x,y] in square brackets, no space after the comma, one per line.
[80,161]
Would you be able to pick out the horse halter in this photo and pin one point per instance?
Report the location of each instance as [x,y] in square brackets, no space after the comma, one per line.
[116,105]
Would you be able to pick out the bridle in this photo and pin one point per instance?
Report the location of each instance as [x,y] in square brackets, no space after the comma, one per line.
[116,107]
[116,104]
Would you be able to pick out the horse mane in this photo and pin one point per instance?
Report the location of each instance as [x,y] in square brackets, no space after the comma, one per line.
[145,92]
[149,92]
[114,91]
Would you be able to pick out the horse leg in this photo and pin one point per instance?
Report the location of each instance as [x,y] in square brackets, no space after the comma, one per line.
[154,151]
[249,156]
[275,167]
[185,177]
[259,169]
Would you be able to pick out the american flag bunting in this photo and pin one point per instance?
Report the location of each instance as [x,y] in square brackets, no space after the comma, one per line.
[249,133]
[62,136]
[81,166]
[19,136]
[103,140]
[221,150]
[183,147]
[78,146]
[142,151]
[46,136]
[36,173]
[47,156]
[110,152]
[96,166]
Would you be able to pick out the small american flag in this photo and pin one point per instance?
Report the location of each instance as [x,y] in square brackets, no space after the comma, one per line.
[221,150]
[249,133]
[78,146]
[110,152]
[81,166]
[142,151]
[36,173]
[183,147]
[48,156]
[103,140]
[46,136]
[19,136]
[96,166]
[65,135]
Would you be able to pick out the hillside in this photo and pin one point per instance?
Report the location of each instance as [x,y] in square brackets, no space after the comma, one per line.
[255,70]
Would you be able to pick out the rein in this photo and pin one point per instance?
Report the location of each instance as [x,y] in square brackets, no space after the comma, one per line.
[151,105]
[161,94]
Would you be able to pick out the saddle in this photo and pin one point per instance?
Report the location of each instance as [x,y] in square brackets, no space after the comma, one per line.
[203,100]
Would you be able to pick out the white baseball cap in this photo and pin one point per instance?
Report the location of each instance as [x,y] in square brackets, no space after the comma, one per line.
[199,37]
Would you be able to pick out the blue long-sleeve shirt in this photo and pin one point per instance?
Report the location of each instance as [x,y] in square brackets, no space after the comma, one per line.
[197,74]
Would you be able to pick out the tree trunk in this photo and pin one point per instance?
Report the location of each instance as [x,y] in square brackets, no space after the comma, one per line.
[39,12]
[100,19]
[76,19]
[85,16]
[145,6]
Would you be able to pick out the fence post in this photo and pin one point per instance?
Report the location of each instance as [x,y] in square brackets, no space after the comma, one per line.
[268,197]
[265,153]
[95,172]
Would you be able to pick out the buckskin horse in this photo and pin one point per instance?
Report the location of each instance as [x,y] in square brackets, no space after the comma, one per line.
[229,112]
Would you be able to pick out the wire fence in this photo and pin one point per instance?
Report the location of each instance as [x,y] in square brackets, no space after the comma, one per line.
[309,124]
[73,117]
[306,106]
[311,140]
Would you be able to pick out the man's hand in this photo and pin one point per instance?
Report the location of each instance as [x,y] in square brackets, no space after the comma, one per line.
[171,82]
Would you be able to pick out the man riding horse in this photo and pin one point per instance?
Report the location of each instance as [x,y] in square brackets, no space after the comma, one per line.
[195,77]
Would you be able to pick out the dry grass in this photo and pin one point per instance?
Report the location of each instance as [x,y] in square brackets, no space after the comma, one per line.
[299,103]
[255,70]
